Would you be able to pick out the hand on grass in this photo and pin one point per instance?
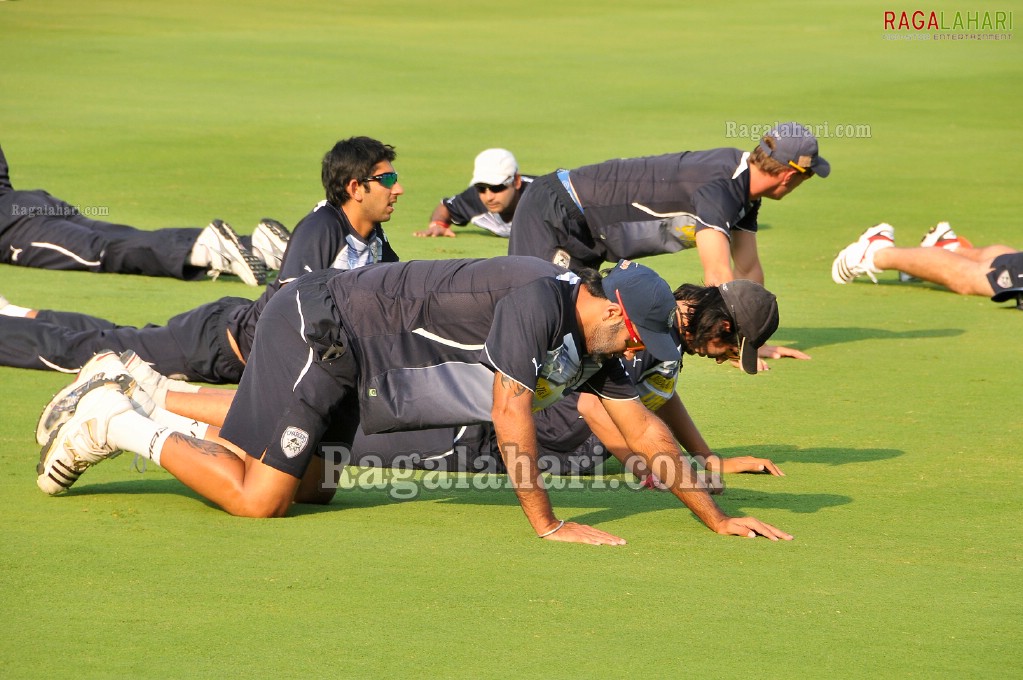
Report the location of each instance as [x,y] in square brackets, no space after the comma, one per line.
[435,230]
[573,532]
[751,527]
[750,464]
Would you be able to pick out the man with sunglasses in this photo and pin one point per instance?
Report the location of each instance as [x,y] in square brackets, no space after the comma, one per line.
[211,343]
[410,346]
[490,200]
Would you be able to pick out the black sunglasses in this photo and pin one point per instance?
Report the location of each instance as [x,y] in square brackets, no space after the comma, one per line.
[386,179]
[492,188]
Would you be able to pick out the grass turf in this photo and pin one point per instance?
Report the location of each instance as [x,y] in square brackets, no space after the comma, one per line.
[900,438]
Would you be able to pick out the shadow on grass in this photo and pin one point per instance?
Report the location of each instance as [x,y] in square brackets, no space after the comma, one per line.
[171,487]
[600,500]
[810,338]
[786,453]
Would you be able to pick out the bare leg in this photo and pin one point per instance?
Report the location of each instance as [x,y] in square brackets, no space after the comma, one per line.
[985,254]
[242,486]
[208,405]
[958,273]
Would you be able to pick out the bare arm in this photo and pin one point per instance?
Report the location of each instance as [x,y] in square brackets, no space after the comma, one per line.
[516,437]
[745,257]
[440,223]
[715,256]
[649,437]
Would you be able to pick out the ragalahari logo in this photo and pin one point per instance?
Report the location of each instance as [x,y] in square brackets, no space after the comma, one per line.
[920,20]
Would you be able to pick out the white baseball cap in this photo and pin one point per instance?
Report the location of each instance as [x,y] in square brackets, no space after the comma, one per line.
[494,166]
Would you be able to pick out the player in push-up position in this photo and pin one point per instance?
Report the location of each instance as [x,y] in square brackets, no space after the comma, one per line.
[498,338]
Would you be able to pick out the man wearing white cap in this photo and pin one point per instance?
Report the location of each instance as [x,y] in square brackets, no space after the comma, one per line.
[490,200]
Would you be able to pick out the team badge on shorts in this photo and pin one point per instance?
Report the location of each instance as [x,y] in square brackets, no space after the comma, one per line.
[293,441]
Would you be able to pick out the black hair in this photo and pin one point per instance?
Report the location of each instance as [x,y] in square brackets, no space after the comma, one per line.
[706,316]
[352,158]
[593,282]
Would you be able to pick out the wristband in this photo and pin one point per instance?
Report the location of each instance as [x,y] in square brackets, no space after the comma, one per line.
[438,223]
[552,531]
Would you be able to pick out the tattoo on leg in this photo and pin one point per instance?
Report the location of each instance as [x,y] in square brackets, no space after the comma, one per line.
[202,446]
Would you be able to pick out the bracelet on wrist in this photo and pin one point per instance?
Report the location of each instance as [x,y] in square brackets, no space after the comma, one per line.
[552,531]
[438,223]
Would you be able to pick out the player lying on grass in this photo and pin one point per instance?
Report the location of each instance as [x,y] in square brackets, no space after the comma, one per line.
[994,271]
[489,202]
[39,230]
[211,342]
[496,339]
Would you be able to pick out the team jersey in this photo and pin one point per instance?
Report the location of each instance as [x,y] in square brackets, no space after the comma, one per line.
[636,207]
[429,336]
[467,207]
[322,239]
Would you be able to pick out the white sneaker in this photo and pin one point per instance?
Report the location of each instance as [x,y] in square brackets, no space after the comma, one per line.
[269,241]
[105,364]
[942,236]
[81,442]
[228,255]
[154,384]
[857,258]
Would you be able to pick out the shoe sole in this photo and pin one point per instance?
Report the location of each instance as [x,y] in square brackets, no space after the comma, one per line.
[43,429]
[59,411]
[838,266]
[60,477]
[236,251]
[276,236]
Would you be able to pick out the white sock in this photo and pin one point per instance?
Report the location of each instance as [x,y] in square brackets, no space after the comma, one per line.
[132,432]
[156,385]
[193,428]
[200,256]
[14,310]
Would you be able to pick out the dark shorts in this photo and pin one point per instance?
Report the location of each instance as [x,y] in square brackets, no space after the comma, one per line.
[297,397]
[1006,276]
[548,225]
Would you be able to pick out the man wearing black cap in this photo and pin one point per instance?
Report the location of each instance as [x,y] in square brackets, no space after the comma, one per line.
[634,207]
[412,346]
[726,322]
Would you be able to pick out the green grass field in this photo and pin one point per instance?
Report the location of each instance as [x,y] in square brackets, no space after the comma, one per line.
[900,439]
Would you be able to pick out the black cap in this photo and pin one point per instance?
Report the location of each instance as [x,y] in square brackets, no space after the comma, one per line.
[754,309]
[796,146]
[649,304]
